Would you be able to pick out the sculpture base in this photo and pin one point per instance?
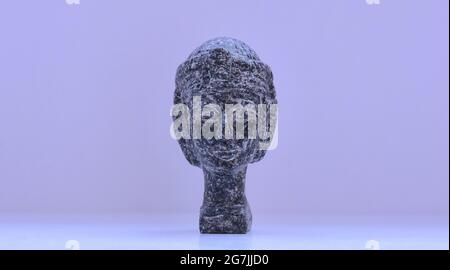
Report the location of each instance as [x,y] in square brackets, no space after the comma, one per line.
[225,219]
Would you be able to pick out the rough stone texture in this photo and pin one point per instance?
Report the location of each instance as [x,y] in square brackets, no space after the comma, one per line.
[224,71]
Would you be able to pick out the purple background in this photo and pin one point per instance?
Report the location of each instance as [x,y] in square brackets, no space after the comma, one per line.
[363,91]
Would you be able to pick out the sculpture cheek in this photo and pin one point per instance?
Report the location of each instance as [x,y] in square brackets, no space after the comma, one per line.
[187,148]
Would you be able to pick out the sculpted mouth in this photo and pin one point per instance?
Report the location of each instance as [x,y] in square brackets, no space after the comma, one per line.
[226,155]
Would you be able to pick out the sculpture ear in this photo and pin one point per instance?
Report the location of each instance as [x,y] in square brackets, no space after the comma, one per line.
[258,155]
[269,98]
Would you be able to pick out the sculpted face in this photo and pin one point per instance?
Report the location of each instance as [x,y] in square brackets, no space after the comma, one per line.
[227,154]
[221,73]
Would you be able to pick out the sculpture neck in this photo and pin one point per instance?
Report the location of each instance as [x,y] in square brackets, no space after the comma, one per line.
[224,187]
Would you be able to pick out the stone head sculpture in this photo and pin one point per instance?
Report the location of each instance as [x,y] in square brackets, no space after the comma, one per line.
[224,120]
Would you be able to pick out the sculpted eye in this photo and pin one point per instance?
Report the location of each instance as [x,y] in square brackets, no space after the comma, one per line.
[247,102]
[205,118]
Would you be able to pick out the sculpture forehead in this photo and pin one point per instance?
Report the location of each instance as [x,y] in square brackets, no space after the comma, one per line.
[223,69]
[229,96]
[226,91]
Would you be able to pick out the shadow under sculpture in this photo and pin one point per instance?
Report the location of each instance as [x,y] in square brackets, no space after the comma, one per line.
[224,71]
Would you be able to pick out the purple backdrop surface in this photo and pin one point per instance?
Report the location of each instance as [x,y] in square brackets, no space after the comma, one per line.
[363,91]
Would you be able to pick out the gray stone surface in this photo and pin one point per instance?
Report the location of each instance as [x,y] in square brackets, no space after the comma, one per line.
[224,71]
